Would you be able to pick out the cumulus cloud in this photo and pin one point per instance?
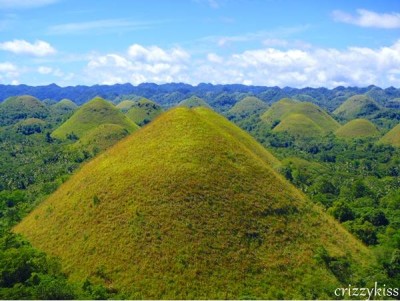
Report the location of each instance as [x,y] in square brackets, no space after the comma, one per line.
[38,48]
[141,64]
[297,67]
[366,18]
[44,70]
[8,72]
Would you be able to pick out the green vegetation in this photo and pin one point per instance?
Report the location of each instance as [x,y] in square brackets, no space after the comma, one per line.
[357,106]
[143,111]
[125,105]
[299,119]
[392,137]
[17,108]
[193,102]
[64,106]
[357,128]
[92,114]
[214,221]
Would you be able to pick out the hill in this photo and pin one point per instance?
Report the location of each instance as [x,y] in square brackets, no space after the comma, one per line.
[189,207]
[91,115]
[299,125]
[143,111]
[357,128]
[125,105]
[357,106]
[64,106]
[392,137]
[17,108]
[100,138]
[314,118]
[248,106]
[30,126]
[193,102]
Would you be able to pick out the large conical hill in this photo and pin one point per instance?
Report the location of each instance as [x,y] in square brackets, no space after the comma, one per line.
[17,108]
[392,137]
[125,105]
[92,114]
[299,125]
[357,106]
[143,111]
[189,207]
[64,106]
[357,128]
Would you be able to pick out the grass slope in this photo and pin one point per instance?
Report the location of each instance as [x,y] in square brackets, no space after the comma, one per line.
[357,106]
[299,125]
[357,128]
[16,108]
[64,106]
[314,118]
[91,115]
[101,138]
[392,137]
[193,102]
[143,111]
[189,207]
[248,105]
[125,105]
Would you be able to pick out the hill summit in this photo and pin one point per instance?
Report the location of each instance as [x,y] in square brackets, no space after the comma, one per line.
[143,111]
[357,106]
[193,102]
[357,128]
[92,114]
[190,207]
[302,119]
[248,105]
[392,137]
[17,108]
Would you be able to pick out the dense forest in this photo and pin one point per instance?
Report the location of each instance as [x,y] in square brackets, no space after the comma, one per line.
[340,147]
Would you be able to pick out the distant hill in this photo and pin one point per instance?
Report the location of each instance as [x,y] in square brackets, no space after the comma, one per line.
[101,137]
[357,128]
[30,126]
[392,137]
[125,105]
[17,108]
[299,125]
[64,106]
[90,116]
[247,106]
[143,111]
[193,102]
[299,118]
[357,106]
[190,207]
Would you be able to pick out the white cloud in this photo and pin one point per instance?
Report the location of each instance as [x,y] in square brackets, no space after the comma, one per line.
[99,26]
[366,18]
[7,67]
[24,3]
[39,48]
[8,72]
[140,64]
[44,70]
[296,67]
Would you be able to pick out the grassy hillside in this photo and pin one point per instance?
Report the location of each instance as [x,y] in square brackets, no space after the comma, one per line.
[189,207]
[313,118]
[91,115]
[101,138]
[17,108]
[193,102]
[357,128]
[299,125]
[143,111]
[357,106]
[125,105]
[392,137]
[248,105]
[64,106]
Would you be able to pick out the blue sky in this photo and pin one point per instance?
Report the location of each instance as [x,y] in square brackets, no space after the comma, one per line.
[254,42]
